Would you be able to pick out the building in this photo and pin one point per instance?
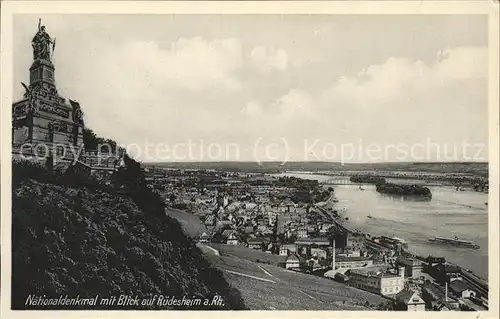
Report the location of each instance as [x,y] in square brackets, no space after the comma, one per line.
[232,239]
[325,227]
[292,262]
[302,233]
[436,297]
[377,280]
[479,285]
[210,220]
[390,259]
[433,261]
[352,262]
[257,243]
[413,267]
[318,253]
[350,253]
[317,241]
[204,238]
[409,301]
[289,248]
[445,273]
[262,228]
[283,251]
[415,303]
[355,242]
[460,289]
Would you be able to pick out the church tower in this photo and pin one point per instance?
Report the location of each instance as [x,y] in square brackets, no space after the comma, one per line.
[43,121]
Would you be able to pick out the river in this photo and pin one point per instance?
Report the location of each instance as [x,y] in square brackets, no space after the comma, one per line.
[450,213]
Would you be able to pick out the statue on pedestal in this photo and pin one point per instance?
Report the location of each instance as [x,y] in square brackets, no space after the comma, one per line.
[42,44]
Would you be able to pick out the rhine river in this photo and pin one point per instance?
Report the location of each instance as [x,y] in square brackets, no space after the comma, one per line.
[449,213]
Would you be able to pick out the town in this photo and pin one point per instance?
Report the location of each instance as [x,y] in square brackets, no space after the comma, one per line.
[297,220]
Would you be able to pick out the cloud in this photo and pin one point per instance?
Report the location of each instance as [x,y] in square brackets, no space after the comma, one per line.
[463,63]
[227,85]
[267,59]
[398,78]
[400,100]
[252,108]
[193,64]
[295,103]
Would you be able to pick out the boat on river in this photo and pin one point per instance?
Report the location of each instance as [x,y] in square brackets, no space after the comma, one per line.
[453,241]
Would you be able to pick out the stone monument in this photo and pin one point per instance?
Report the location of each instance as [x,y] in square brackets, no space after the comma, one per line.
[43,121]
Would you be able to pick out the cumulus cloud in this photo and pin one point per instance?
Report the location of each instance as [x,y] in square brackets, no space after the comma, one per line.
[149,84]
[403,78]
[266,59]
[400,100]
[398,82]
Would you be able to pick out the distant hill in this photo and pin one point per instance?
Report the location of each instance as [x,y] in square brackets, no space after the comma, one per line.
[72,235]
[477,168]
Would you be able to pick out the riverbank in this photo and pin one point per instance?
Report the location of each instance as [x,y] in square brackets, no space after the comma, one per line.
[347,225]
[462,181]
[450,213]
[479,284]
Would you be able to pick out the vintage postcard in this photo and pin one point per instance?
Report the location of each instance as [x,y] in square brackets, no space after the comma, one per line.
[251,156]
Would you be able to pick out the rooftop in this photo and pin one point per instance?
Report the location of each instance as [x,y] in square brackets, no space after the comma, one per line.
[409,297]
[294,258]
[312,240]
[458,286]
[372,271]
[343,259]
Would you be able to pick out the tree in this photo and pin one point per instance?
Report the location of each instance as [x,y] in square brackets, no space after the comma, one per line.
[92,142]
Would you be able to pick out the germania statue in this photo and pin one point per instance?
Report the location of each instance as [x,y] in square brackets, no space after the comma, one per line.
[43,44]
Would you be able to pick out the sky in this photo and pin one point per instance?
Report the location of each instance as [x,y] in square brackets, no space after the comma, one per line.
[351,88]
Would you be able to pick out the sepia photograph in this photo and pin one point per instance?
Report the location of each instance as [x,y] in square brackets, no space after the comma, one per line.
[249,161]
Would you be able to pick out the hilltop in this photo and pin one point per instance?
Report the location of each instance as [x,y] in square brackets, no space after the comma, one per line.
[72,235]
